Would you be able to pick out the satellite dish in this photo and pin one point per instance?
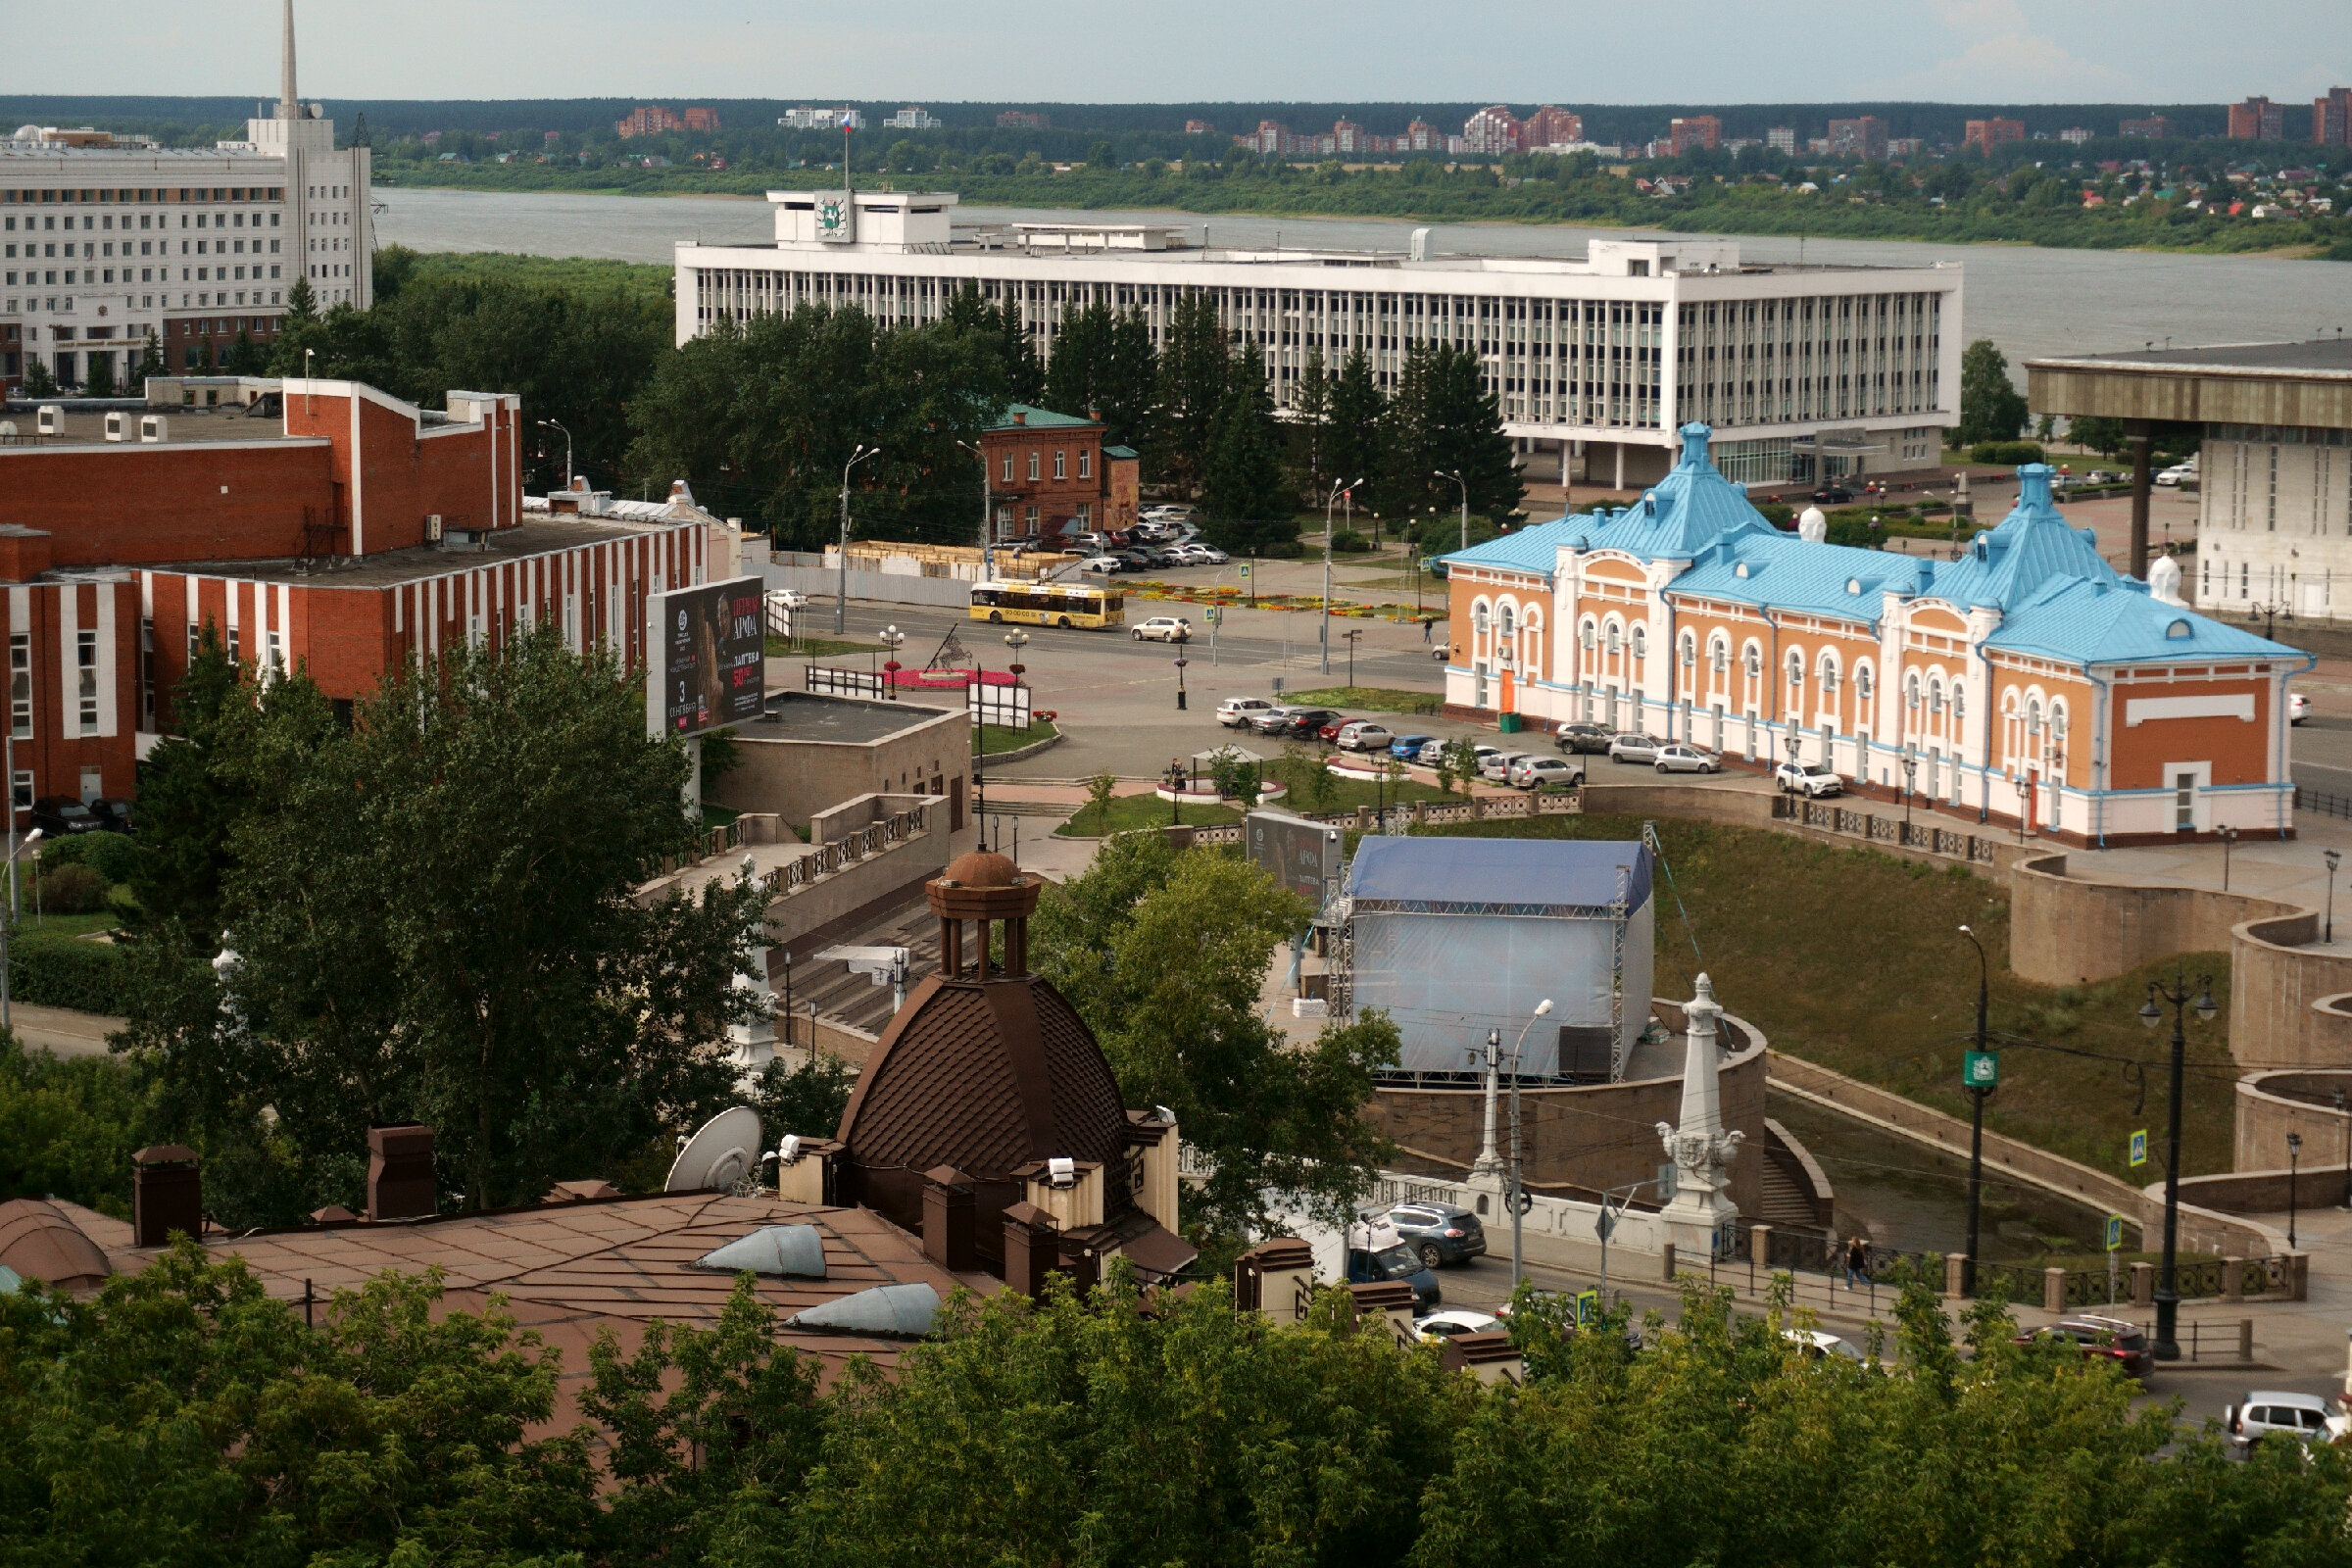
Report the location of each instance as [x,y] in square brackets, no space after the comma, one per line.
[722,1153]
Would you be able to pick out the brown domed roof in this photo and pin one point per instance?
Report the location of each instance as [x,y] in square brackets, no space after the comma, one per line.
[983,868]
[986,1078]
[40,1242]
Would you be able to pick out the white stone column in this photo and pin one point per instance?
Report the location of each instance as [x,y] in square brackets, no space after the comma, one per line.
[1699,1147]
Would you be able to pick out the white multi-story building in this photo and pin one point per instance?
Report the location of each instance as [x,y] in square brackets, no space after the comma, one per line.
[912,118]
[104,242]
[1596,362]
[822,118]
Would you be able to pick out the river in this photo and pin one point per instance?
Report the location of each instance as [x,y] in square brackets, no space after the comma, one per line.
[2032,302]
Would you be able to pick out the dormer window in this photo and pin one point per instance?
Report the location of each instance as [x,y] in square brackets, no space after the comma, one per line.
[2180,628]
[1853,585]
[1741,570]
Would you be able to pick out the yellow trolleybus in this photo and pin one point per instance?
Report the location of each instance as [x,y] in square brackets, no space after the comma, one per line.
[1048,604]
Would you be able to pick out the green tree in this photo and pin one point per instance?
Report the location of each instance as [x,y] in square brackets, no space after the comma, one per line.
[1351,449]
[1441,421]
[515,996]
[1163,953]
[38,381]
[1196,372]
[1249,501]
[1309,428]
[2106,437]
[1991,408]
[67,1127]
[151,358]
[100,383]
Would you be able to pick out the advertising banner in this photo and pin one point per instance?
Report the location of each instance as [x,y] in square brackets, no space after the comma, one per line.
[707,658]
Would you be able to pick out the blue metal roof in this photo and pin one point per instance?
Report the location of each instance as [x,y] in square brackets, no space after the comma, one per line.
[1533,873]
[1535,549]
[1784,573]
[2033,546]
[2089,623]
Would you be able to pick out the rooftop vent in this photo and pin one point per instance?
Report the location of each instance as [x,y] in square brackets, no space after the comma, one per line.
[167,1195]
[794,1251]
[907,1310]
[400,1172]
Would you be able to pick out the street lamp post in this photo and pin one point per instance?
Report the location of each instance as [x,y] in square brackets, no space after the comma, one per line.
[2346,1127]
[7,921]
[548,424]
[1323,623]
[1179,662]
[1975,1122]
[2176,995]
[891,638]
[1456,476]
[1518,1182]
[2228,838]
[1910,770]
[841,596]
[2333,860]
[2295,1150]
[1353,634]
[988,523]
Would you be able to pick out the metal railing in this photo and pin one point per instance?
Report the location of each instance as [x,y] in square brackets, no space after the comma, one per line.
[2322,803]
[1975,847]
[876,837]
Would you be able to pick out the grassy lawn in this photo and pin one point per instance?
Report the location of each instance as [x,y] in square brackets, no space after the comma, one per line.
[1131,811]
[990,739]
[1370,699]
[63,926]
[1850,958]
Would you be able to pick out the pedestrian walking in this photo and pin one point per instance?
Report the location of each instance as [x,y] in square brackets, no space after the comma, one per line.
[1427,621]
[1857,1263]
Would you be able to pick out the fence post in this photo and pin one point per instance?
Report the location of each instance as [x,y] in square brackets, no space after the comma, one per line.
[2298,1276]
[2053,1290]
[1759,1244]
[2143,1285]
[1955,1271]
[1668,1275]
[1478,808]
[2233,1279]
[1420,812]
[2245,1338]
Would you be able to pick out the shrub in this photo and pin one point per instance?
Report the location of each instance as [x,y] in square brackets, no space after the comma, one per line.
[2006,452]
[113,856]
[1348,542]
[72,890]
[67,972]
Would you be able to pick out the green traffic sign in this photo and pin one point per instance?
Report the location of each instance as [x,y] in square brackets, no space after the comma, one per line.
[2115,1232]
[1980,1069]
[2139,1147]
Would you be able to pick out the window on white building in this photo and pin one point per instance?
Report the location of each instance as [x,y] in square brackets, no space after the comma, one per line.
[85,659]
[20,684]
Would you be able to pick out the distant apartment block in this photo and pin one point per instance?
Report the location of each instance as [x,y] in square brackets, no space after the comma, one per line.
[1781,139]
[2331,118]
[806,119]
[1548,127]
[706,119]
[2257,119]
[1865,137]
[1698,131]
[651,120]
[2077,134]
[1493,130]
[1022,120]
[1421,137]
[912,118]
[1348,136]
[1986,134]
[1199,127]
[2155,129]
[1904,146]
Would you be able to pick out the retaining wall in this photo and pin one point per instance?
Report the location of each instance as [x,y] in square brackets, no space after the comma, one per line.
[2272,1104]
[2066,931]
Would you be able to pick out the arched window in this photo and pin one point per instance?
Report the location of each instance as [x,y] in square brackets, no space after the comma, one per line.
[1613,642]
[1935,694]
[1829,675]
[1641,641]
[1478,617]
[1690,655]
[1506,621]
[1586,634]
[1959,702]
[2058,721]
[1796,668]
[1718,654]
[1862,683]
[2033,716]
[1753,659]
[1911,690]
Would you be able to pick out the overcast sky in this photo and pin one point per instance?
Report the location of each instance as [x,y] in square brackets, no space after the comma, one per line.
[1517,50]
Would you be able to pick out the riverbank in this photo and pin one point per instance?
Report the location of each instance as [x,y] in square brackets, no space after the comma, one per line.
[1604,202]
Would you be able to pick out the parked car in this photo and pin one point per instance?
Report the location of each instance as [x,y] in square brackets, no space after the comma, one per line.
[1834,495]
[1376,1252]
[1592,739]
[1163,629]
[2109,1338]
[2103,476]
[789,598]
[1816,1346]
[2268,1412]
[1363,736]
[1103,565]
[2298,708]
[1804,778]
[1496,767]
[1538,772]
[1440,1233]
[1206,555]
[1678,758]
[1171,512]
[1633,749]
[113,813]
[58,815]
[1276,719]
[1407,748]
[1314,723]
[1454,1322]
[1235,712]
[2177,472]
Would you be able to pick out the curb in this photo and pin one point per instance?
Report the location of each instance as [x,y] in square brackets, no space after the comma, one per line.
[1019,753]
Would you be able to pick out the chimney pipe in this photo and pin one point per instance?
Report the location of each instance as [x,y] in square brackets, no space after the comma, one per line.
[167,1195]
[950,1219]
[400,1172]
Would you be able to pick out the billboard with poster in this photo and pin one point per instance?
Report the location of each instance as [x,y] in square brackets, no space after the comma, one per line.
[1302,856]
[707,658]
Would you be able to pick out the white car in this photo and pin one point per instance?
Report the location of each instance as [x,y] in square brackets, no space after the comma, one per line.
[1164,630]
[2298,708]
[1365,736]
[1455,1322]
[1679,758]
[1103,565]
[789,598]
[1633,749]
[2268,1412]
[1204,555]
[1496,766]
[2177,472]
[1815,1345]
[1536,772]
[1235,712]
[1803,778]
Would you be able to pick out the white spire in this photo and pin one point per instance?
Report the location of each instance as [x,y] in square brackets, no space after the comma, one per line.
[289,107]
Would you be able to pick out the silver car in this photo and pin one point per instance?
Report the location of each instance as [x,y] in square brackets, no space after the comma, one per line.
[1496,766]
[1631,748]
[1678,758]
[1538,772]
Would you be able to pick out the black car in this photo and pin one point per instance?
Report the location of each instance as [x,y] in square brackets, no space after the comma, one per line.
[1440,1233]
[1308,722]
[1834,495]
[1589,738]
[113,813]
[58,815]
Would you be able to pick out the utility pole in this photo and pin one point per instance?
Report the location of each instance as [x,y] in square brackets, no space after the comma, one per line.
[1339,488]
[2177,997]
[1456,476]
[1975,1120]
[841,596]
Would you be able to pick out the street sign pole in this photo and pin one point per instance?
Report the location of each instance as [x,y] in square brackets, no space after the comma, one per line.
[1979,1072]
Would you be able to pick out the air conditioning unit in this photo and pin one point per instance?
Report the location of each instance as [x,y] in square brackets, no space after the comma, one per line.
[118,427]
[49,419]
[432,527]
[154,429]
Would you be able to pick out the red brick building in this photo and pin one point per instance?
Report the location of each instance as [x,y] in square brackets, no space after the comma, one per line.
[1050,474]
[1986,134]
[1698,130]
[2257,119]
[325,526]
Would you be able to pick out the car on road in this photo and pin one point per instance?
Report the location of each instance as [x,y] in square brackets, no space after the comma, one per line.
[1192,554]
[2298,708]
[1815,1345]
[1496,766]
[1804,778]
[1630,748]
[1553,772]
[1299,723]
[62,815]
[2102,476]
[1235,712]
[1586,738]
[2175,473]
[2272,1412]
[1833,495]
[1103,565]
[1376,1252]
[1363,736]
[1454,1322]
[1679,758]
[2100,1338]
[1407,748]
[1440,1233]
[789,598]
[1163,629]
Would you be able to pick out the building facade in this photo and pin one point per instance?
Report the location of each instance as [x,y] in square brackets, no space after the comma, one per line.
[1594,362]
[1050,474]
[2331,118]
[1493,130]
[1698,131]
[105,244]
[2257,119]
[2156,127]
[1865,137]
[1986,134]
[1549,126]
[2025,682]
